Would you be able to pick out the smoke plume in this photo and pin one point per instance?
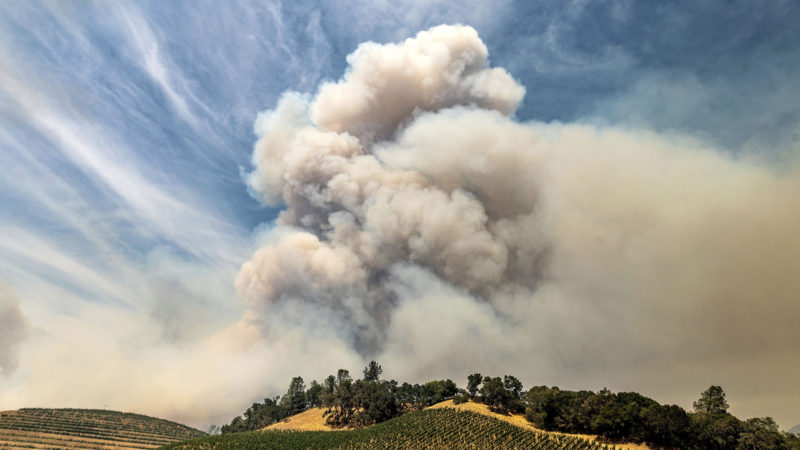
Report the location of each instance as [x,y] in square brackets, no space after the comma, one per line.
[428,227]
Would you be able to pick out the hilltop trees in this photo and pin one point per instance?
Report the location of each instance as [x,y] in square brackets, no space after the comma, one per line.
[474,383]
[616,417]
[314,395]
[258,415]
[503,395]
[295,399]
[712,401]
[632,417]
[339,399]
[372,372]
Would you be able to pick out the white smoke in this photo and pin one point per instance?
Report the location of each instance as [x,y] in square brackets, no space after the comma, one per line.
[437,232]
[13,329]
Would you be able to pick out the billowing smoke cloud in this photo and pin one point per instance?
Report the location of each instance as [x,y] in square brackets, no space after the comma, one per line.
[13,328]
[429,228]
[360,216]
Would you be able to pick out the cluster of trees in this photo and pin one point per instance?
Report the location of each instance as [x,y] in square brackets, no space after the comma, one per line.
[499,394]
[361,402]
[632,417]
[372,400]
[618,417]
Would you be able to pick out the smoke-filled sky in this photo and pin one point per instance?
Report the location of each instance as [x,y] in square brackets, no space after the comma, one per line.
[200,200]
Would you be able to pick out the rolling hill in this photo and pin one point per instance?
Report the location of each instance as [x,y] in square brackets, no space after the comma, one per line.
[430,428]
[312,420]
[520,421]
[88,429]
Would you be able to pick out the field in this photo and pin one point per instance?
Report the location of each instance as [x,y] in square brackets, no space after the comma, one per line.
[431,428]
[87,429]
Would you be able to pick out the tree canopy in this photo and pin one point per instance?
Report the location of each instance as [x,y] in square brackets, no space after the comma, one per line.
[616,417]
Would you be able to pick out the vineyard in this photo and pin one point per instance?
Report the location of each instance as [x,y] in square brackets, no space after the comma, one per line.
[433,428]
[87,429]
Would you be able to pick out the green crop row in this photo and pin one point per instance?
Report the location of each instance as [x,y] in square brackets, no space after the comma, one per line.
[131,430]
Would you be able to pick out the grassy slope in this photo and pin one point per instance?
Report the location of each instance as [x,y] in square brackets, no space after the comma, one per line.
[87,428]
[310,420]
[431,428]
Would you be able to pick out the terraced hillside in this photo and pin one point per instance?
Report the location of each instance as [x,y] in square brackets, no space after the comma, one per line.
[88,429]
[431,428]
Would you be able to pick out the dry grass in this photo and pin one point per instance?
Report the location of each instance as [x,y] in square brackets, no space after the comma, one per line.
[520,421]
[310,420]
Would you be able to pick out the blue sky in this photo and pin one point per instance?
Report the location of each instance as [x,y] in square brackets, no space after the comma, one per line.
[126,133]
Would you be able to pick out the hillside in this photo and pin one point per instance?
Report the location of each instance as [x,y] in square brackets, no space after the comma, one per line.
[437,428]
[520,421]
[312,420]
[87,429]
[309,420]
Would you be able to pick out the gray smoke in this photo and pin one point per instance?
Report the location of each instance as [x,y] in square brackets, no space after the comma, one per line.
[428,225]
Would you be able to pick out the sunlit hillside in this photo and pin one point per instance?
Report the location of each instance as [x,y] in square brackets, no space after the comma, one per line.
[431,428]
[520,421]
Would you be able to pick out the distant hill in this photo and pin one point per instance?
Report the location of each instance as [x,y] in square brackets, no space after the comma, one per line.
[430,428]
[795,429]
[88,429]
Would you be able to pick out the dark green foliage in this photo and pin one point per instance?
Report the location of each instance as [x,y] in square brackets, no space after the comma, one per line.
[761,433]
[295,399]
[460,398]
[712,401]
[513,386]
[372,372]
[258,415]
[339,399]
[668,426]
[375,400]
[502,395]
[410,396]
[715,431]
[438,391]
[474,384]
[632,417]
[433,428]
[314,395]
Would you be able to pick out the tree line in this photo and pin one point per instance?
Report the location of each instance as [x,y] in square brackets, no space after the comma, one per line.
[615,417]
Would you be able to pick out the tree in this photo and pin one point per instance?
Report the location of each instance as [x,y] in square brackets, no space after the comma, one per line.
[372,372]
[712,401]
[494,393]
[474,384]
[295,399]
[339,399]
[314,394]
[513,386]
[761,433]
[438,391]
